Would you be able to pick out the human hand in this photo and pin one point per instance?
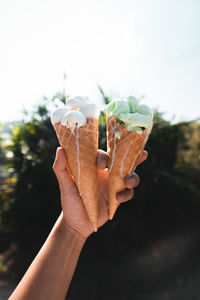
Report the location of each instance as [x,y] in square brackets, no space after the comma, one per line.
[74,213]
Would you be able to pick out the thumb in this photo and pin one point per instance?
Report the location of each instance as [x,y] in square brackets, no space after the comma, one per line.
[61,170]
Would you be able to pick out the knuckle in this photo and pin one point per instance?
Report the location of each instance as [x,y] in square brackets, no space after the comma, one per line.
[132,181]
[54,166]
[137,179]
[130,194]
[120,196]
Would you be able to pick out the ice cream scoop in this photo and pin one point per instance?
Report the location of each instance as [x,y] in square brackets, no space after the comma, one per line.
[74,118]
[135,116]
[77,111]
[57,115]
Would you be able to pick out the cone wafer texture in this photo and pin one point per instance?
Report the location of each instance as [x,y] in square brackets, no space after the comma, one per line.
[124,154]
[81,151]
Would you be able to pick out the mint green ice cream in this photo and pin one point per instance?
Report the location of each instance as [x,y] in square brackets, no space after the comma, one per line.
[131,113]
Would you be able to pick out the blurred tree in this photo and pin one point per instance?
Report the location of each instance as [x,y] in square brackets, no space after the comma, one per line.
[34,200]
[190,150]
[167,200]
[169,177]
[1,147]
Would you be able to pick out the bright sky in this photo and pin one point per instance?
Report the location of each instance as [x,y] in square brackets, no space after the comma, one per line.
[137,47]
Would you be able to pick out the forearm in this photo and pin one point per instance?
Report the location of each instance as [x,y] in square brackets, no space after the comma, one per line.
[50,273]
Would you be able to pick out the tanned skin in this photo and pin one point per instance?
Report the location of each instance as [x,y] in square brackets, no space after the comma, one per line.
[50,273]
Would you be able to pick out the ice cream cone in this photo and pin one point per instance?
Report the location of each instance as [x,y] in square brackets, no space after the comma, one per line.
[81,151]
[124,154]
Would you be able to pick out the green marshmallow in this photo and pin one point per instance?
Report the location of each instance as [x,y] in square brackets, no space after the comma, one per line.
[136,120]
[132,102]
[136,129]
[116,107]
[130,113]
[144,109]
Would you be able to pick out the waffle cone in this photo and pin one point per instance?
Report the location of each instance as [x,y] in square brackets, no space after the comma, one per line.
[81,151]
[124,155]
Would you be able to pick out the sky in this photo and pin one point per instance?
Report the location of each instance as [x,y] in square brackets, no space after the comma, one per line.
[128,47]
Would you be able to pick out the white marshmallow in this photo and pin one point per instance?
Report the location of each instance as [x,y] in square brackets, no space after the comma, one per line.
[76,103]
[57,115]
[90,111]
[74,118]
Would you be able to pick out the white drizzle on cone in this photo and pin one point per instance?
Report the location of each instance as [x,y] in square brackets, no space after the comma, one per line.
[78,160]
[114,147]
[122,160]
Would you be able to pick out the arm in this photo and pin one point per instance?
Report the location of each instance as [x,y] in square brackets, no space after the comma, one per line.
[50,273]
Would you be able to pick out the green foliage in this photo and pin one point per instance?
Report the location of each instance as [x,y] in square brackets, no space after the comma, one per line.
[33,192]
[1,146]
[105,98]
[61,96]
[30,197]
[166,201]
[102,131]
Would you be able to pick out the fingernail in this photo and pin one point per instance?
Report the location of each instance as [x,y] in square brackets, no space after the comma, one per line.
[102,164]
[131,178]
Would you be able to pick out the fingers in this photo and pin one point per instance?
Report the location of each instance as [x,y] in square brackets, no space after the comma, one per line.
[125,195]
[61,170]
[131,181]
[102,159]
[60,163]
[143,157]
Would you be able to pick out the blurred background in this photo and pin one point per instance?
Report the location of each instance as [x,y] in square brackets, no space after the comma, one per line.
[104,49]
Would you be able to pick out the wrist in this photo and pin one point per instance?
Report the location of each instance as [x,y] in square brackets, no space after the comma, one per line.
[68,231]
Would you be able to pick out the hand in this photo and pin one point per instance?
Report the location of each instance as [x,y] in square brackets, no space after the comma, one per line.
[74,213]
